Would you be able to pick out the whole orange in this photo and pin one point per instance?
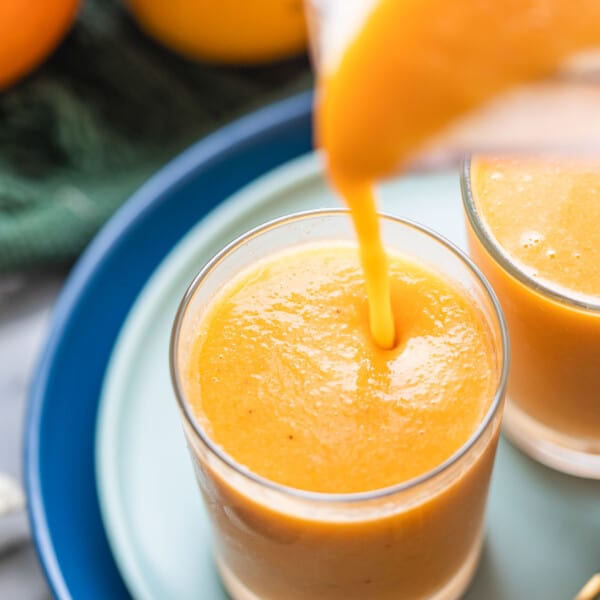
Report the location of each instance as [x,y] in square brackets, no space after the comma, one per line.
[29,31]
[229,31]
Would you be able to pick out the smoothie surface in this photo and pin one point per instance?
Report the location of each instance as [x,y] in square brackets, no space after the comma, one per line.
[545,215]
[284,375]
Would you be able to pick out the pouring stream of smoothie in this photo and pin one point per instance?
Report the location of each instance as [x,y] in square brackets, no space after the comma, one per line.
[412,69]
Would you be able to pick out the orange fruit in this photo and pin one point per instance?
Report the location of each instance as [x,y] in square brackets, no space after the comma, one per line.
[29,31]
[228,31]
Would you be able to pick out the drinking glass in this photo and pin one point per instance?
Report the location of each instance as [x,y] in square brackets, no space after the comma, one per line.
[418,538]
[553,408]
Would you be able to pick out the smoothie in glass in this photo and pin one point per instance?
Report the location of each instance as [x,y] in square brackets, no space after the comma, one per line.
[534,230]
[332,468]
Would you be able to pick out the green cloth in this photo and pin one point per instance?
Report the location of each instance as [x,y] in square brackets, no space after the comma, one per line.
[110,106]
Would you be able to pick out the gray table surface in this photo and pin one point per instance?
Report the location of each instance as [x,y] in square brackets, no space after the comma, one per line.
[25,306]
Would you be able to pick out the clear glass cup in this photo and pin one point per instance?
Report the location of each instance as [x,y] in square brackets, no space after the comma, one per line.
[553,407]
[420,538]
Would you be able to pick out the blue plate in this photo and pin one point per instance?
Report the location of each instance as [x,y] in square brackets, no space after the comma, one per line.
[61,419]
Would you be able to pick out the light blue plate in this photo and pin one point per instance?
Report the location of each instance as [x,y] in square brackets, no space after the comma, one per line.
[543,528]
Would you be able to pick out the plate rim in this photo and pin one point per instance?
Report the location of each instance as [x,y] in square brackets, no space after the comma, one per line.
[202,154]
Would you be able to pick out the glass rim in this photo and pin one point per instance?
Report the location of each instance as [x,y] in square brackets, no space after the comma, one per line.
[345,497]
[494,249]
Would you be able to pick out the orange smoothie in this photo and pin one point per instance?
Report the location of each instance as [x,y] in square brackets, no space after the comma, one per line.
[318,452]
[535,232]
[415,66]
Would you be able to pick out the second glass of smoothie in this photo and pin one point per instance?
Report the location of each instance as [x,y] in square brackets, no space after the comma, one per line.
[533,226]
